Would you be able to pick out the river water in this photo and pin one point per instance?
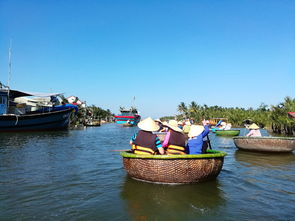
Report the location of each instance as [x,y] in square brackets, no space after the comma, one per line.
[75,175]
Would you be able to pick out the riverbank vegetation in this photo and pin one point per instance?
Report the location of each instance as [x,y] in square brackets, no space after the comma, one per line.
[274,117]
[91,114]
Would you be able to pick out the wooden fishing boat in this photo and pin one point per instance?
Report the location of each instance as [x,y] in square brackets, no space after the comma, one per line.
[227,132]
[128,117]
[265,144]
[15,117]
[174,169]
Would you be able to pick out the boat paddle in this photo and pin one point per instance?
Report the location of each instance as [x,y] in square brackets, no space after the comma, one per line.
[210,147]
[119,150]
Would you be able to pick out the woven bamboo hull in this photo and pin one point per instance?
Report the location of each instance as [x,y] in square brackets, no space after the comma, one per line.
[165,169]
[265,144]
[227,132]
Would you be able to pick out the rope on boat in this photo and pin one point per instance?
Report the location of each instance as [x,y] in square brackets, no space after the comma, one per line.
[16,120]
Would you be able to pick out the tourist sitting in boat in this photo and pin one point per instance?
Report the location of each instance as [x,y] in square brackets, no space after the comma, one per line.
[186,127]
[144,141]
[174,142]
[180,124]
[160,124]
[227,126]
[254,131]
[196,135]
[222,126]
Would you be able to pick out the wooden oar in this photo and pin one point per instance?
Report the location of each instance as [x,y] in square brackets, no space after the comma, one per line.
[120,150]
[209,142]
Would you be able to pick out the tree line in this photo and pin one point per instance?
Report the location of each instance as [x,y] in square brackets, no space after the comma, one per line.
[274,117]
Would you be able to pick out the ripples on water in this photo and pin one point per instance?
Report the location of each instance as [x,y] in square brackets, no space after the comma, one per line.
[74,175]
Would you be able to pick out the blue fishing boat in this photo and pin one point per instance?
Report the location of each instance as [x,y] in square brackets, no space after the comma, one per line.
[22,117]
[128,117]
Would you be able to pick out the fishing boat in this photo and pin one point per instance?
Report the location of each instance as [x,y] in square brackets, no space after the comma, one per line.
[22,117]
[265,144]
[128,117]
[174,169]
[227,132]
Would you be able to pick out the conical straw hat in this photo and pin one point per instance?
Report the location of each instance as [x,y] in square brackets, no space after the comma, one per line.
[188,123]
[195,130]
[253,126]
[172,124]
[148,124]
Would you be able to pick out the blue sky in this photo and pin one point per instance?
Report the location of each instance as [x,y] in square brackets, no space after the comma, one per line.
[226,53]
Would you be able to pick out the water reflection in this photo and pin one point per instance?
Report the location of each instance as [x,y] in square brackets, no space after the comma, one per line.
[146,201]
[20,140]
[264,159]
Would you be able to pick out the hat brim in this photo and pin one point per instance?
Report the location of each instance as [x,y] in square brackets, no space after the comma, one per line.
[173,127]
[146,127]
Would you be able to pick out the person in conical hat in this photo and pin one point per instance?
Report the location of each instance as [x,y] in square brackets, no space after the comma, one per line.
[174,142]
[186,127]
[196,135]
[254,131]
[160,124]
[144,141]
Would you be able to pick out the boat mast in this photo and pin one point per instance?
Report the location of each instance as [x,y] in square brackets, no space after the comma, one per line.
[9,72]
[9,65]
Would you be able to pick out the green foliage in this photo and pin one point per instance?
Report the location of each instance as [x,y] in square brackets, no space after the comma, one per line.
[275,117]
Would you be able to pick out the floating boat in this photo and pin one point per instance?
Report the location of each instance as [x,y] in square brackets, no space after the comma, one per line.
[92,123]
[265,144]
[128,117]
[22,117]
[227,132]
[174,169]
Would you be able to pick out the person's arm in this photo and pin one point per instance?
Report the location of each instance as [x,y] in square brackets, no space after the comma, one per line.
[250,133]
[206,131]
[133,138]
[166,140]
[159,146]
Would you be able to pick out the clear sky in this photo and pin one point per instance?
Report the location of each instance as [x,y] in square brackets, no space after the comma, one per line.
[236,53]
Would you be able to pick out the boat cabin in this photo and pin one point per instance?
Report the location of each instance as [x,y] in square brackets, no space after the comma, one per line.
[3,102]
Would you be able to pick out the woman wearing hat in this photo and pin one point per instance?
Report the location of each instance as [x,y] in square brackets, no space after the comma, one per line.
[175,139]
[196,135]
[254,131]
[144,141]
[186,127]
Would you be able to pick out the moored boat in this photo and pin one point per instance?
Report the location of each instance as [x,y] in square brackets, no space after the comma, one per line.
[227,132]
[128,117]
[174,169]
[22,117]
[265,144]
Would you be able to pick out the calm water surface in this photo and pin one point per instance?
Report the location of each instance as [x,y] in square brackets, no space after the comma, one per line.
[75,175]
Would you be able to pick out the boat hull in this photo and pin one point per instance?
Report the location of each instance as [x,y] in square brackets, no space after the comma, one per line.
[56,120]
[265,144]
[227,132]
[174,169]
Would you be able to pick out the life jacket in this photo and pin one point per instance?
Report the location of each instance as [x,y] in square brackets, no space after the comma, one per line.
[176,143]
[145,143]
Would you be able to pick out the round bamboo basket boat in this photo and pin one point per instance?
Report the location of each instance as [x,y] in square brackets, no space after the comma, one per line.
[227,132]
[265,144]
[174,169]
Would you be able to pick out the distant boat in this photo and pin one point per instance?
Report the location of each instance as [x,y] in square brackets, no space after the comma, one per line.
[227,132]
[22,117]
[265,144]
[128,117]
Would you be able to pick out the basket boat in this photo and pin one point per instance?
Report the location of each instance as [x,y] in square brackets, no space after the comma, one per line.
[227,132]
[265,144]
[174,169]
